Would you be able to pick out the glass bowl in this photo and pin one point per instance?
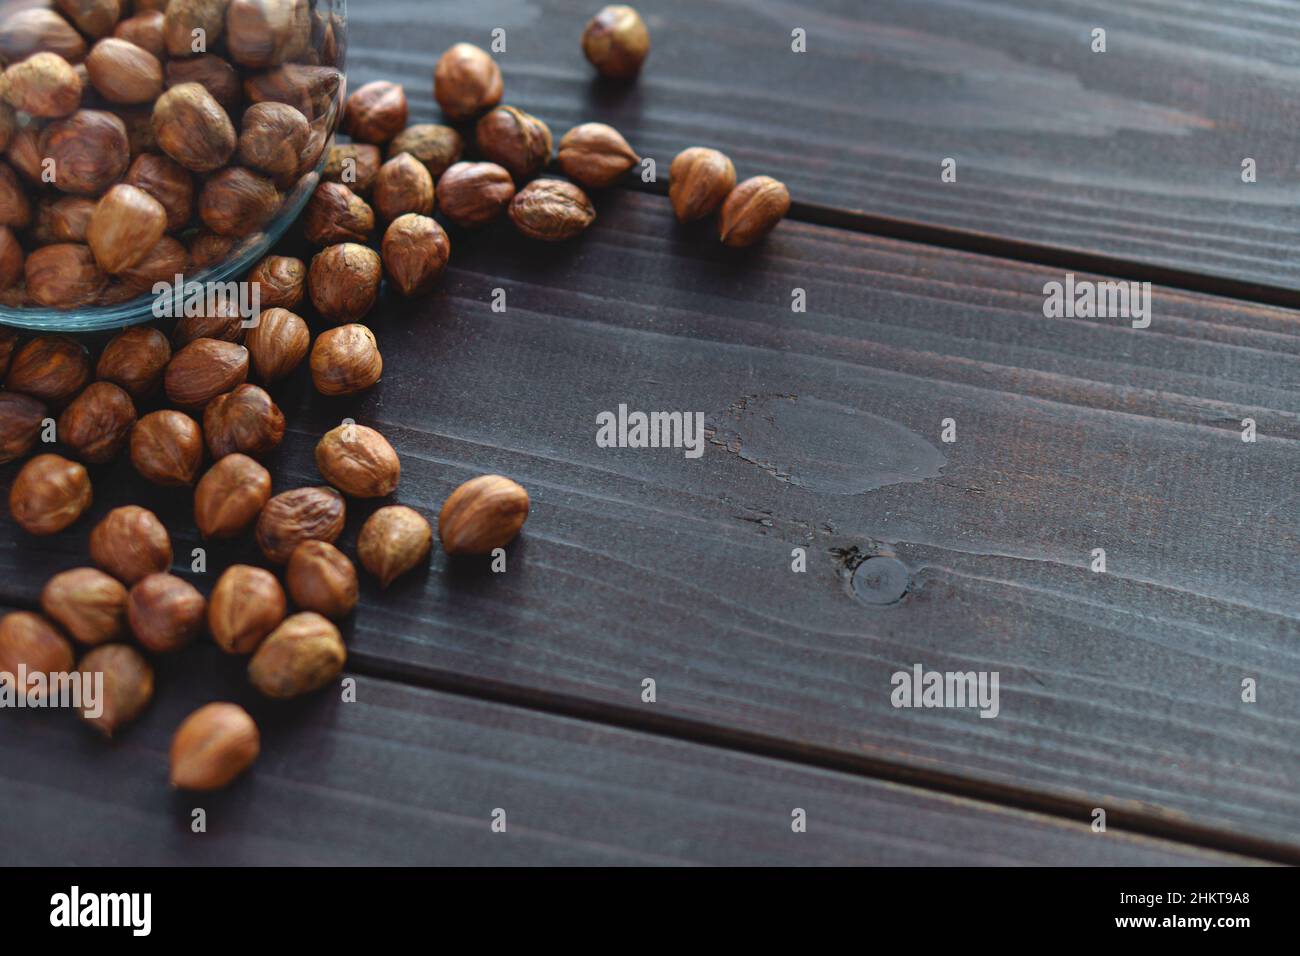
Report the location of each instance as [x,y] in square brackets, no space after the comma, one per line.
[286,51]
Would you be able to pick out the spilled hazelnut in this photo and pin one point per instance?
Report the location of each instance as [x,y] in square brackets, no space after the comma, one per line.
[358,461]
[515,140]
[130,543]
[97,423]
[165,612]
[752,210]
[230,495]
[302,655]
[242,420]
[345,360]
[52,368]
[616,42]
[354,165]
[167,448]
[699,180]
[203,370]
[336,214]
[87,603]
[320,578]
[403,186]
[246,605]
[394,540]
[278,343]
[474,194]
[551,210]
[481,515]
[292,517]
[127,690]
[438,147]
[415,251]
[376,112]
[344,281]
[212,747]
[466,81]
[595,155]
[282,282]
[48,494]
[20,424]
[28,641]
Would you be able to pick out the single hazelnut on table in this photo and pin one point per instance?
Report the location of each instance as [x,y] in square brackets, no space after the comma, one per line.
[354,165]
[237,201]
[97,423]
[130,543]
[481,515]
[302,655]
[334,214]
[262,33]
[595,155]
[192,128]
[20,424]
[551,210]
[699,179]
[211,72]
[616,42]
[44,85]
[126,225]
[123,72]
[516,140]
[415,251]
[63,275]
[168,182]
[278,343]
[15,207]
[474,194]
[344,281]
[167,448]
[94,18]
[29,641]
[394,540]
[212,747]
[52,368]
[403,185]
[183,17]
[90,150]
[145,30]
[70,218]
[128,686]
[243,420]
[752,210]
[272,138]
[282,283]
[203,370]
[438,147]
[165,612]
[247,604]
[48,494]
[358,461]
[12,261]
[320,578]
[87,603]
[466,81]
[345,360]
[163,263]
[375,112]
[292,517]
[230,496]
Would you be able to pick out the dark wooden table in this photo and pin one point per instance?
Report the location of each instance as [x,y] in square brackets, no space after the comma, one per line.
[523,691]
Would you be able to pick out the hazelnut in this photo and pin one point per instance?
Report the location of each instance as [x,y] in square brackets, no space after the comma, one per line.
[415,252]
[128,686]
[344,282]
[166,260]
[394,540]
[52,368]
[336,214]
[97,423]
[87,603]
[15,207]
[123,72]
[375,113]
[237,202]
[699,180]
[262,33]
[230,495]
[354,165]
[222,322]
[167,448]
[345,360]
[320,578]
[126,225]
[12,261]
[302,655]
[616,42]
[551,210]
[203,370]
[70,218]
[438,147]
[515,140]
[92,17]
[466,82]
[130,543]
[481,515]
[211,72]
[90,151]
[24,150]
[311,90]
[292,517]
[164,611]
[213,746]
[207,248]
[358,461]
[28,641]
[44,85]
[183,17]
[63,275]
[278,343]
[168,182]
[243,420]
[752,210]
[192,128]
[403,186]
[135,359]
[272,138]
[246,605]
[20,424]
[282,282]
[35,30]
[145,30]
[474,194]
[48,494]
[595,155]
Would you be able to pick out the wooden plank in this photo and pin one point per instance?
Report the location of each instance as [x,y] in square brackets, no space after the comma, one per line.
[1133,153]
[1120,690]
[409,776]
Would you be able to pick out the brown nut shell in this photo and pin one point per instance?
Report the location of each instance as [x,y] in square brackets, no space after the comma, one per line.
[192,128]
[752,210]
[49,493]
[415,251]
[212,747]
[595,155]
[230,496]
[403,186]
[52,368]
[551,210]
[699,179]
[320,578]
[21,417]
[278,343]
[29,641]
[336,214]
[87,603]
[97,423]
[466,81]
[130,543]
[482,514]
[344,281]
[123,72]
[474,194]
[515,140]
[300,656]
[243,420]
[393,541]
[616,42]
[165,612]
[167,448]
[127,688]
[376,112]
[246,605]
[292,517]
[282,283]
[345,360]
[134,359]
[358,461]
[203,370]
[438,147]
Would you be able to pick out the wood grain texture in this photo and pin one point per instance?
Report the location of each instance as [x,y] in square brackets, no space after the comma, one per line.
[408,776]
[1119,690]
[1133,153]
